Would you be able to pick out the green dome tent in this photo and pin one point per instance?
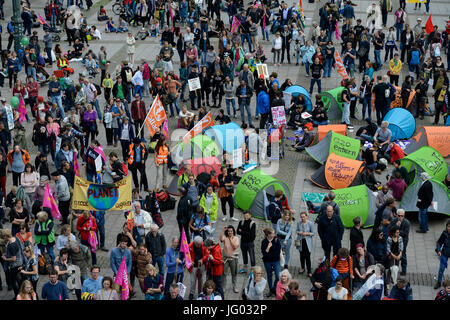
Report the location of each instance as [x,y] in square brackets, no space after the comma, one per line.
[252,190]
[201,146]
[332,101]
[441,195]
[426,159]
[334,143]
[358,201]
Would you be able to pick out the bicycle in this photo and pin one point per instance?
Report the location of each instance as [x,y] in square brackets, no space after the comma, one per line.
[117,7]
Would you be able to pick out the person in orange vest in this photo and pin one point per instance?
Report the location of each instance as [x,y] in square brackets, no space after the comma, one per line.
[18,159]
[162,153]
[136,161]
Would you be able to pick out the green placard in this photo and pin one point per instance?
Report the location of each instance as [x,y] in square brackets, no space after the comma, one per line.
[344,146]
[353,202]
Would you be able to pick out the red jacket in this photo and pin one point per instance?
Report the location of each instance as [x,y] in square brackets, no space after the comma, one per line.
[396,153]
[216,264]
[205,254]
[82,223]
[138,112]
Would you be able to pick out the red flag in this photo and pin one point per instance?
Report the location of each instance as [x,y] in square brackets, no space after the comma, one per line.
[155,116]
[205,122]
[429,25]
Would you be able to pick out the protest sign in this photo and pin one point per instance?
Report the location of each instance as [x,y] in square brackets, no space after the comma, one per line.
[194,84]
[278,115]
[344,146]
[340,172]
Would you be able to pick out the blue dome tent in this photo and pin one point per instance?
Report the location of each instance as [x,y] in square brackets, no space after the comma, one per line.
[229,136]
[401,123]
[296,90]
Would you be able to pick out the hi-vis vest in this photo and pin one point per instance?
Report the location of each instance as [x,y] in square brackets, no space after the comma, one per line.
[62,63]
[42,239]
[131,157]
[161,156]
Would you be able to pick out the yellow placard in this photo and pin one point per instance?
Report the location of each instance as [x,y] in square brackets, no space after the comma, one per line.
[101,197]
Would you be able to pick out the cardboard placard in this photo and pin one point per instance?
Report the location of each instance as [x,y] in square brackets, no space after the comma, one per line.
[194,84]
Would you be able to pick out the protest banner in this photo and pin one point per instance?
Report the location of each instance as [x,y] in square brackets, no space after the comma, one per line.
[278,115]
[340,65]
[101,197]
[155,117]
[261,68]
[194,84]
[9,117]
[237,158]
[205,122]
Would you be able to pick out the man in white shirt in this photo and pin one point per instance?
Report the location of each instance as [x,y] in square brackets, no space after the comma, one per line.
[142,219]
[91,97]
[138,82]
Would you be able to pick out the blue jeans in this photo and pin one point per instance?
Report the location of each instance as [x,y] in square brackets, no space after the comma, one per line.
[442,268]
[49,55]
[328,67]
[92,177]
[319,84]
[160,262]
[265,33]
[378,58]
[307,64]
[317,123]
[127,110]
[367,137]
[97,109]
[58,100]
[246,36]
[245,106]
[138,89]
[351,69]
[287,251]
[272,267]
[423,219]
[231,102]
[101,233]
[399,29]
[367,105]
[175,103]
[346,113]
[203,58]
[32,72]
[169,280]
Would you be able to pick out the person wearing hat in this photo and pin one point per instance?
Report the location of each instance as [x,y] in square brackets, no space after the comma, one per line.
[63,195]
[441,98]
[424,199]
[126,136]
[418,28]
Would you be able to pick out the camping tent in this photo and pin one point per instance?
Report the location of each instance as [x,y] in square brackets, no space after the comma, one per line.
[425,159]
[338,128]
[436,137]
[357,201]
[441,195]
[332,101]
[337,143]
[252,190]
[201,146]
[338,173]
[401,123]
[297,90]
[229,136]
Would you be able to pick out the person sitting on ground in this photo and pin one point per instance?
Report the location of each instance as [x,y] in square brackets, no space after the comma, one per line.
[319,114]
[101,15]
[399,168]
[398,186]
[110,26]
[366,133]
[369,179]
[402,290]
[308,137]
[185,118]
[142,34]
[222,117]
[396,152]
[295,119]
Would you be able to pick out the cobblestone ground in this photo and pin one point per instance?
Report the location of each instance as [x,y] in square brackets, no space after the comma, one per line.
[295,168]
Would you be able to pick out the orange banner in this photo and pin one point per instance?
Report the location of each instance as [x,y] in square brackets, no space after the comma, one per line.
[439,139]
[205,122]
[340,65]
[155,116]
[340,172]
[338,128]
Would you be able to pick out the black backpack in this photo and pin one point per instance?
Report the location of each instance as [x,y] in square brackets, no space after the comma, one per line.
[98,88]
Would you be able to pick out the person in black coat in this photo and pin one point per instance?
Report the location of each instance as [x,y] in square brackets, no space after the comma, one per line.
[184,213]
[321,280]
[330,230]
[356,235]
[424,199]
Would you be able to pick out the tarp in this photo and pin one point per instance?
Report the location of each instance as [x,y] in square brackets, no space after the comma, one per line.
[435,137]
[337,143]
[426,159]
[249,193]
[229,136]
[441,196]
[200,165]
[201,146]
[338,173]
[332,101]
[401,123]
[338,128]
[296,90]
[358,201]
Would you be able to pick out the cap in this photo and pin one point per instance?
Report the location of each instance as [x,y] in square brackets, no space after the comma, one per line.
[419,19]
[40,99]
[359,245]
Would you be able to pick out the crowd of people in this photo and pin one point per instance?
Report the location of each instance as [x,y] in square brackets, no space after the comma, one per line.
[69,120]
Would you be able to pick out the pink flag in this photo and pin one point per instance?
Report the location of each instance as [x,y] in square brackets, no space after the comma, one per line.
[49,202]
[99,149]
[170,12]
[165,130]
[264,22]
[22,110]
[122,279]
[235,24]
[185,249]
[338,35]
[41,20]
[76,166]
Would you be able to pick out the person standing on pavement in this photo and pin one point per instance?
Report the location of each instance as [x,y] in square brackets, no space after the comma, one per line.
[404,226]
[331,230]
[356,235]
[54,289]
[48,45]
[63,195]
[424,199]
[199,255]
[230,255]
[305,234]
[12,258]
[136,162]
[117,255]
[244,95]
[103,62]
[226,193]
[247,230]
[142,220]
[156,245]
[174,263]
[443,251]
[131,47]
[214,265]
[271,250]
[18,159]
[162,153]
[138,114]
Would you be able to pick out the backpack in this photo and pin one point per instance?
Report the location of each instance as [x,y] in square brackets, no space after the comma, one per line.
[162,196]
[44,263]
[415,58]
[124,169]
[275,216]
[98,88]
[129,75]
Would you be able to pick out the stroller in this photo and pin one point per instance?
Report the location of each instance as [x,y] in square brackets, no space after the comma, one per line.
[275,139]
[53,31]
